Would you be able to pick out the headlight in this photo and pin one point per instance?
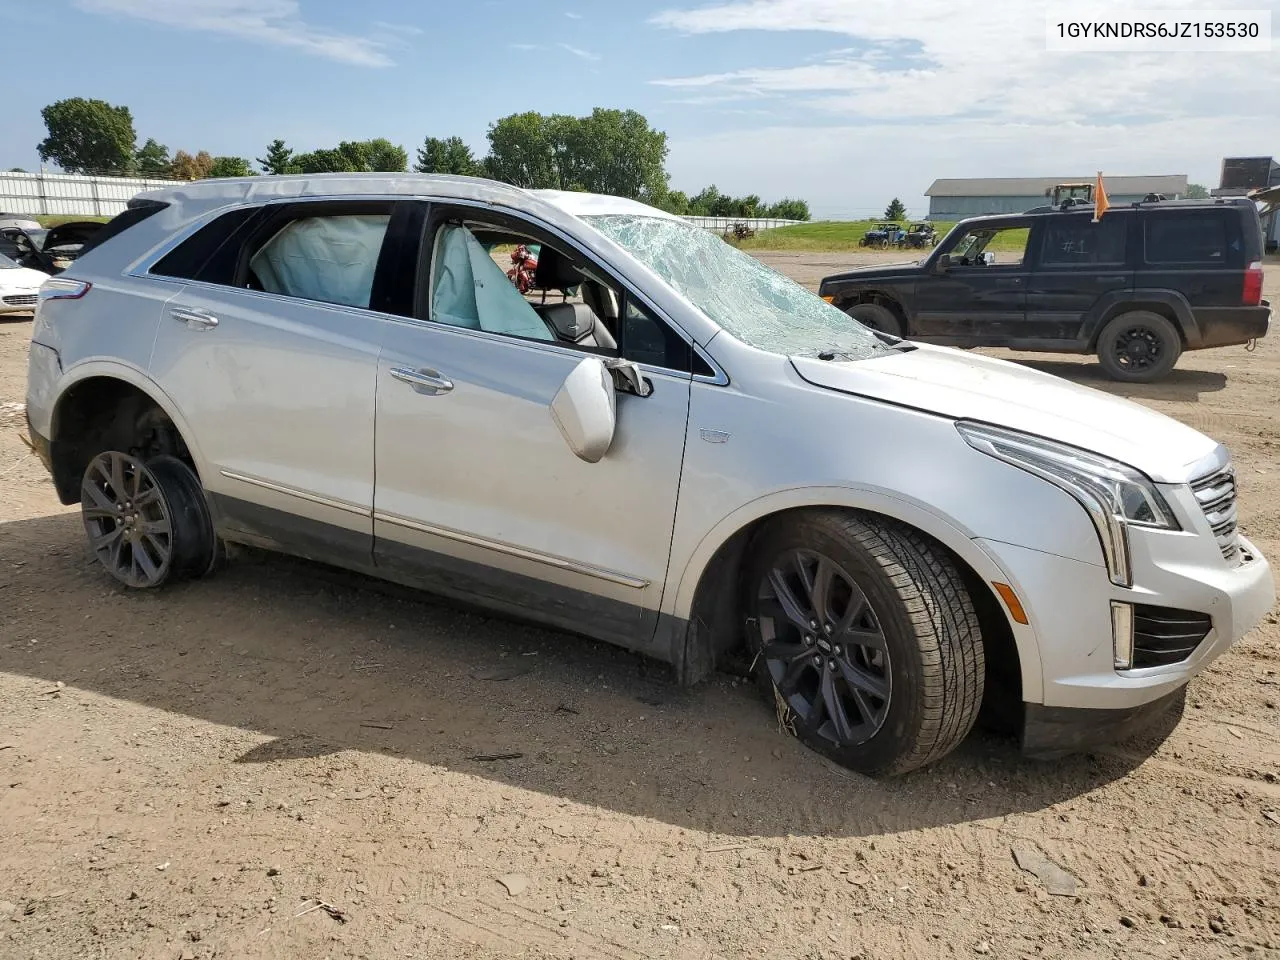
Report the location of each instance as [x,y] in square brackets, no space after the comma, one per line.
[1115,496]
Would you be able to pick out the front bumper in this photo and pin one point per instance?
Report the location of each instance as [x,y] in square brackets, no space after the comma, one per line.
[1069,605]
[1052,732]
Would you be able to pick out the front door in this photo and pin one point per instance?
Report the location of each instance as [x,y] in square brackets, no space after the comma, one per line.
[477,493]
[981,297]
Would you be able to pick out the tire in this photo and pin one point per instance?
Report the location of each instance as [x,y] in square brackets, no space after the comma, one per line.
[1138,347]
[911,669]
[876,317]
[147,523]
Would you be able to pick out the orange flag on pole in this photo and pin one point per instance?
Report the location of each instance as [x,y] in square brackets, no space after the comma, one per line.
[1100,203]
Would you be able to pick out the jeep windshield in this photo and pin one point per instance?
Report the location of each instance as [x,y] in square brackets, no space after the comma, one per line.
[748,300]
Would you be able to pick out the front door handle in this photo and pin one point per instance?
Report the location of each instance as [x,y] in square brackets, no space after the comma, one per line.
[196,319]
[428,382]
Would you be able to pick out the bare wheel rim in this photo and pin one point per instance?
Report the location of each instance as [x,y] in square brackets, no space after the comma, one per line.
[127,519]
[1138,348]
[824,647]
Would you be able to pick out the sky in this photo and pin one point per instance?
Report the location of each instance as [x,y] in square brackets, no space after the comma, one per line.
[845,103]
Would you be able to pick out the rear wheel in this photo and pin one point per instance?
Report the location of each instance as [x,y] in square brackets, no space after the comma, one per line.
[148,523]
[1138,347]
[877,317]
[865,640]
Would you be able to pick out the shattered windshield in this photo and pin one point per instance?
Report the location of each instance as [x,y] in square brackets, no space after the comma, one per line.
[753,303]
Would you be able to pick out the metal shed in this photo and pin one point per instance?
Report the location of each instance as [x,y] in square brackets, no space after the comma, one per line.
[957,199]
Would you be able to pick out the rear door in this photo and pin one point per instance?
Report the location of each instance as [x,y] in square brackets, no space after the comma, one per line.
[270,351]
[972,302]
[1078,263]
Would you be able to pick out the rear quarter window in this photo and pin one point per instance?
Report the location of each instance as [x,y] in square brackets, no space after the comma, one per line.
[206,254]
[1203,237]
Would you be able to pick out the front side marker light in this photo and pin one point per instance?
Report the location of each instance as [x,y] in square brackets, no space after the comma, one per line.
[63,288]
[1122,634]
[1011,601]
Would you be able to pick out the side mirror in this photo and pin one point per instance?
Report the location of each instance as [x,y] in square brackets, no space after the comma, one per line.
[944,263]
[584,409]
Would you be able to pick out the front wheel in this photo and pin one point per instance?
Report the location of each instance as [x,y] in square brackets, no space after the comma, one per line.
[877,317]
[1138,347]
[864,638]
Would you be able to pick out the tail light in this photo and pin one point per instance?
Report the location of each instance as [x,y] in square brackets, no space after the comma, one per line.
[1253,284]
[63,288]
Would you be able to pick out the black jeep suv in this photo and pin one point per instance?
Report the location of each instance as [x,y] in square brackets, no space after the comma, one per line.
[1144,283]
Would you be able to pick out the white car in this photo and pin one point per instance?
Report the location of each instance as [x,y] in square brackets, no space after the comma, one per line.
[664,444]
[19,286]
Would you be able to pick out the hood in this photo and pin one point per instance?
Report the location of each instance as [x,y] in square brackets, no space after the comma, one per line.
[966,386]
[21,278]
[907,268]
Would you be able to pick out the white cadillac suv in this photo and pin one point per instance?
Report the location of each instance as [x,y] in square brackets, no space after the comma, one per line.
[649,438]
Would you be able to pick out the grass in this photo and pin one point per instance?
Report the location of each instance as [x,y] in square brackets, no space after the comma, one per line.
[843,236]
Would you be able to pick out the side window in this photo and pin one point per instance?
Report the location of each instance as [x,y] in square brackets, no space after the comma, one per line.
[504,276]
[646,339]
[1186,238]
[207,254]
[1078,240]
[1007,247]
[331,259]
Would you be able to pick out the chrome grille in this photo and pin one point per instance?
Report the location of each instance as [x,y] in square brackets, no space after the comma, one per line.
[20,300]
[1216,495]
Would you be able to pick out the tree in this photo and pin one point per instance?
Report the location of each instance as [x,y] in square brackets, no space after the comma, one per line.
[789,209]
[187,167]
[614,152]
[16,170]
[447,156]
[279,159]
[677,202]
[231,167]
[354,156]
[152,159]
[88,136]
[1197,191]
[521,153]
[895,210]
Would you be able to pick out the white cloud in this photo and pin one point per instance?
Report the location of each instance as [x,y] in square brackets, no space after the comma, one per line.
[275,22]
[524,46]
[579,52]
[573,16]
[942,60]
[402,29]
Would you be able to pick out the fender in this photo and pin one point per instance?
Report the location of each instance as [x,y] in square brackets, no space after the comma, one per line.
[118,370]
[1116,302]
[871,501]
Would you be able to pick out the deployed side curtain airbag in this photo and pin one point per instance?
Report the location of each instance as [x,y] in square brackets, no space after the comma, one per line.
[331,259]
[470,290]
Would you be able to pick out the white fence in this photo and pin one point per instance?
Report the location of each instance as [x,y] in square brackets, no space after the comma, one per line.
[61,194]
[725,224]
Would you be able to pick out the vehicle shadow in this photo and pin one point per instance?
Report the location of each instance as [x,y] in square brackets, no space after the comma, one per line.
[1178,385]
[319,661]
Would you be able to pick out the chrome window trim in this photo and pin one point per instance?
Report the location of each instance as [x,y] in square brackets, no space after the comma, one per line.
[343,505]
[141,268]
[511,550]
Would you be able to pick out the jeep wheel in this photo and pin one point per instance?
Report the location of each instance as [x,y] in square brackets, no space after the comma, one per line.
[147,523]
[1138,347]
[865,640]
[876,317]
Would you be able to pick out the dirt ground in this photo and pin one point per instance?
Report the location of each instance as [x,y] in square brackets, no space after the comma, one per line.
[275,762]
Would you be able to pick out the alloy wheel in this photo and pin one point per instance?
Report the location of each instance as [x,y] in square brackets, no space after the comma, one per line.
[824,647]
[127,519]
[1137,348]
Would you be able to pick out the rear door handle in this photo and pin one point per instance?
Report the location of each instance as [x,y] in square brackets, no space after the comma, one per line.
[196,319]
[428,382]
